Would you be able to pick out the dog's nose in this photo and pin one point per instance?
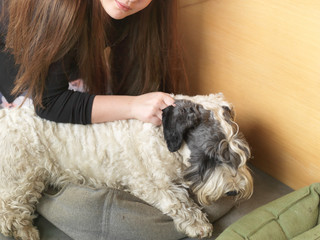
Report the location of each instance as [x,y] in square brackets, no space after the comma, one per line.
[232,193]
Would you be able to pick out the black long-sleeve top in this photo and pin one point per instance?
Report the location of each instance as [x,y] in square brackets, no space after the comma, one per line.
[60,104]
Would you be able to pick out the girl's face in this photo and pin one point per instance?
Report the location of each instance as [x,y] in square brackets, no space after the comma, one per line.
[119,9]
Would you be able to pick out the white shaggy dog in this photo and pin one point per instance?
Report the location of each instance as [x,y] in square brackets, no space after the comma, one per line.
[198,150]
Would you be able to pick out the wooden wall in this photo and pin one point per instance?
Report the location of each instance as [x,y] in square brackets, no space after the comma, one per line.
[264,55]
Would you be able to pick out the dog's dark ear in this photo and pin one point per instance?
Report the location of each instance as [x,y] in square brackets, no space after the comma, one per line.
[172,136]
[176,121]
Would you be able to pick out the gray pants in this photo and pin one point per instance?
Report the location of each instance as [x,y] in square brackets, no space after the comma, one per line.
[82,213]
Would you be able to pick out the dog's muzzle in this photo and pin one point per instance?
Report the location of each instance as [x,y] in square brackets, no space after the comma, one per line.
[232,193]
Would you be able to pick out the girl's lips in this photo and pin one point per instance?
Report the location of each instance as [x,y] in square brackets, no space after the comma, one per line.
[122,6]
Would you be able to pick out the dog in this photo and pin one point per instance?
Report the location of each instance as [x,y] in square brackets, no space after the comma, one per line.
[197,150]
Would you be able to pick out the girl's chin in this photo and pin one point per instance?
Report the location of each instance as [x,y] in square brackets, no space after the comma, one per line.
[118,15]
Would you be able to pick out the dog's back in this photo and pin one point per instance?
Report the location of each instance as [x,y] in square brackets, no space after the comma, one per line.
[103,151]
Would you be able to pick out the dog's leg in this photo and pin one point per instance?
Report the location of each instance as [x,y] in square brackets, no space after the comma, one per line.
[189,218]
[175,202]
[22,175]
[19,195]
[17,210]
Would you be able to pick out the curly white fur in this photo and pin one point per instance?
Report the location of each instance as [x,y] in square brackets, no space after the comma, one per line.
[128,155]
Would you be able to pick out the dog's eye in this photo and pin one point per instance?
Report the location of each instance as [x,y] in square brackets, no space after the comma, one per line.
[226,109]
[229,112]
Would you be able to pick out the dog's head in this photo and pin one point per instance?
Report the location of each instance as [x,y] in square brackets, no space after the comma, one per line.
[217,150]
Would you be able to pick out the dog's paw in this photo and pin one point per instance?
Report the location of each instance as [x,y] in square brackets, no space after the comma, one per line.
[27,233]
[199,230]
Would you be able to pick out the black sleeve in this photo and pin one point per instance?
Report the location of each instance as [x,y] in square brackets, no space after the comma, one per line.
[61,104]
[8,70]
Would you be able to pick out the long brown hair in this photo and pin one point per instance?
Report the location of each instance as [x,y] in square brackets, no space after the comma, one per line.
[43,32]
[150,52]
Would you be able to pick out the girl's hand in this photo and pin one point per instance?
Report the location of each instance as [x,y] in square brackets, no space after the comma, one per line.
[148,107]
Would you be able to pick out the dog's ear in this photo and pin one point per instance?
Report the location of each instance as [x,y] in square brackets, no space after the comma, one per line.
[172,135]
[176,121]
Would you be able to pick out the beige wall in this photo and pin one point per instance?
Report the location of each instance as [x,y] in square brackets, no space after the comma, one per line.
[264,55]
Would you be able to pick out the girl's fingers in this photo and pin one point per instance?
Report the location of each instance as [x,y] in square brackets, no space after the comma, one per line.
[159,115]
[148,107]
[156,121]
[168,100]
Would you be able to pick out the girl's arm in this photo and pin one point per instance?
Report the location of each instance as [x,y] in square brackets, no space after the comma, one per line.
[147,107]
[63,105]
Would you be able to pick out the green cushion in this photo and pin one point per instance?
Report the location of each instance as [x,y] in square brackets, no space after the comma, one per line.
[293,216]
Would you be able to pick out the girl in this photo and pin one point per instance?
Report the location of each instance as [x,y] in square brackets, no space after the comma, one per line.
[127,55]
[47,44]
